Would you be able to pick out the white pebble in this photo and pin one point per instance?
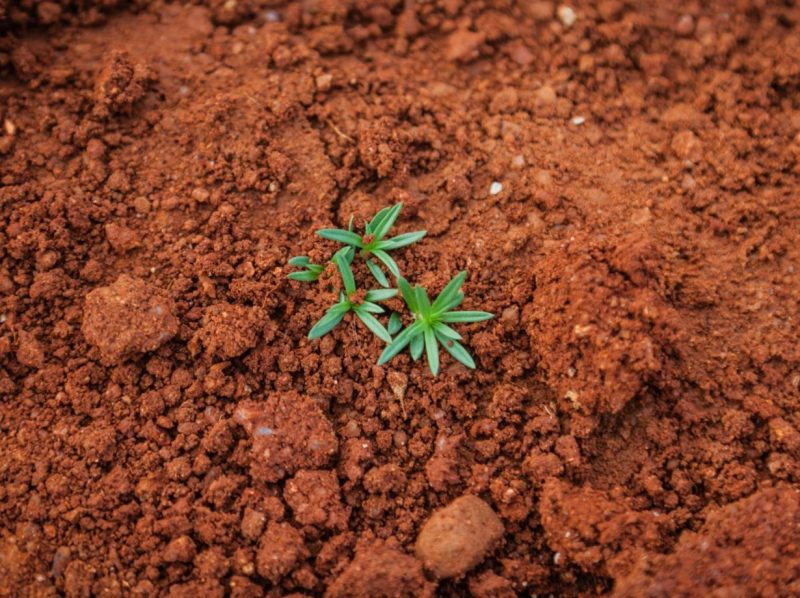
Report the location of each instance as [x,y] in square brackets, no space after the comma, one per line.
[578,120]
[566,15]
[272,16]
[557,558]
[2,318]
[495,188]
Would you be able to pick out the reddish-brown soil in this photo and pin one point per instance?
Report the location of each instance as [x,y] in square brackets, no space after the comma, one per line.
[634,421]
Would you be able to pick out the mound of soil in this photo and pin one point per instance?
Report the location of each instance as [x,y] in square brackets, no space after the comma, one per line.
[620,180]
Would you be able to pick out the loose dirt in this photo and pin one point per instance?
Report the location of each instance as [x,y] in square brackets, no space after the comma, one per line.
[619,179]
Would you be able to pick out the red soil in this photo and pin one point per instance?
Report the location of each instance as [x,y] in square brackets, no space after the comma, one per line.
[167,428]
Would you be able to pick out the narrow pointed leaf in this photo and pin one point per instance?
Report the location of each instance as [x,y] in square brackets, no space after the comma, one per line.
[432,351]
[417,345]
[329,321]
[408,294]
[348,253]
[342,236]
[402,240]
[371,307]
[350,223]
[423,303]
[399,343]
[445,331]
[376,271]
[376,220]
[457,350]
[386,223]
[395,323]
[450,291]
[373,324]
[347,274]
[299,261]
[387,261]
[304,276]
[381,294]
[466,316]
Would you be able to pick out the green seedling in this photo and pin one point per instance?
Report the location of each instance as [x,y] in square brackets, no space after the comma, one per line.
[430,326]
[312,272]
[374,243]
[363,305]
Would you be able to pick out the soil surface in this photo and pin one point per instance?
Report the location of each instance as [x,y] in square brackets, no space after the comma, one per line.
[620,179]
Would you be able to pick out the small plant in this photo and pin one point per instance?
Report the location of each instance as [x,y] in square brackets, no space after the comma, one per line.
[430,326]
[362,304]
[312,272]
[374,243]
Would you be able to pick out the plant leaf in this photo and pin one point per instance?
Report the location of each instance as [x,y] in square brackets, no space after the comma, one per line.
[342,236]
[376,220]
[299,261]
[446,332]
[347,274]
[449,292]
[417,344]
[379,231]
[329,321]
[432,351]
[381,294]
[387,261]
[371,307]
[378,273]
[348,252]
[466,316]
[408,294]
[399,343]
[423,303]
[395,323]
[373,324]
[402,240]
[304,276]
[457,350]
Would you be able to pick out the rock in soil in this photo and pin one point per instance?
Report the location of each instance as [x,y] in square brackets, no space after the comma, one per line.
[381,570]
[458,537]
[127,318]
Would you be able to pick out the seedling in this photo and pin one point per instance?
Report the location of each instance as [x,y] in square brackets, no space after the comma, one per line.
[374,243]
[311,271]
[430,326]
[363,305]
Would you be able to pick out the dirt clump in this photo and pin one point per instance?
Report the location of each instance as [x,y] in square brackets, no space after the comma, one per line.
[289,432]
[381,570]
[457,537]
[127,318]
[748,548]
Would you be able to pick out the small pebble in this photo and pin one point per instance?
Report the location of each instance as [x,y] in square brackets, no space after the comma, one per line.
[272,16]
[566,15]
[458,537]
[578,120]
[495,188]
[518,161]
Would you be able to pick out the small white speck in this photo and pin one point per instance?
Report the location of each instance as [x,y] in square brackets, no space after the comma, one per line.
[495,188]
[264,431]
[578,120]
[557,558]
[183,90]
[272,16]
[566,15]
[518,161]
[2,318]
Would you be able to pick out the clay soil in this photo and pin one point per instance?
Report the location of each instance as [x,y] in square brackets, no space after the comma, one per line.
[166,427]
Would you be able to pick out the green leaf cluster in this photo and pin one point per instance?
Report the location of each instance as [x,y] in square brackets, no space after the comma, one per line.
[430,326]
